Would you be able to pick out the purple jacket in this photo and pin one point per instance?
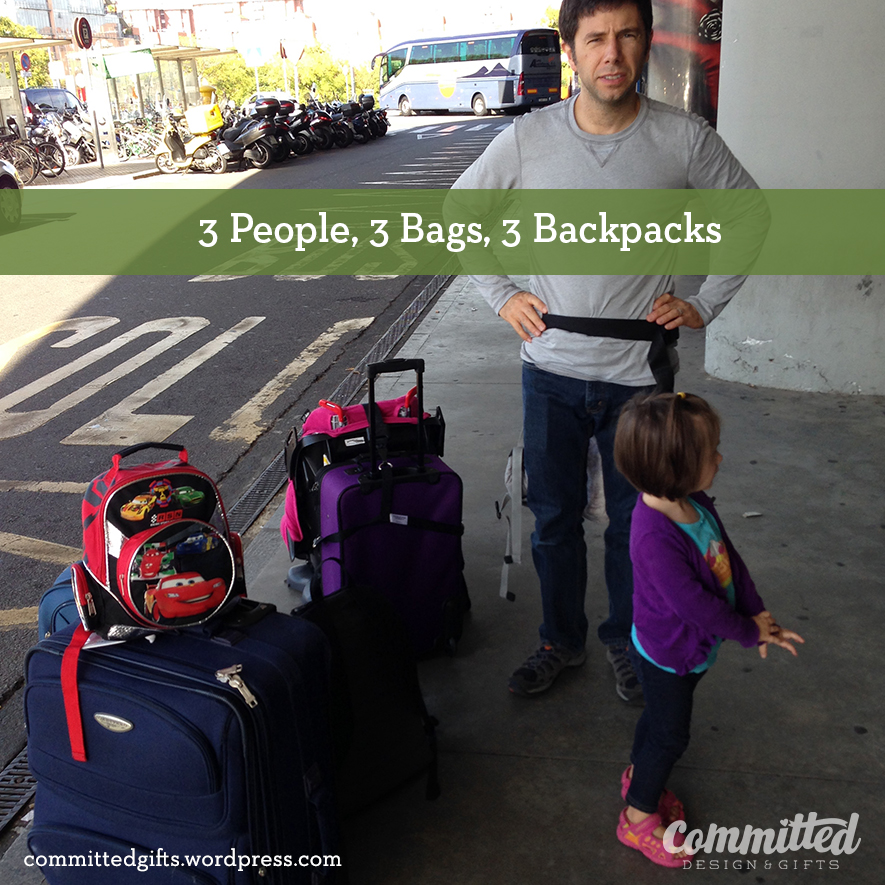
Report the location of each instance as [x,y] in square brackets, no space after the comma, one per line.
[679,606]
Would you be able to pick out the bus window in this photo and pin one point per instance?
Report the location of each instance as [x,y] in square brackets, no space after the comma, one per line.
[501,48]
[543,43]
[446,52]
[422,55]
[477,50]
[395,62]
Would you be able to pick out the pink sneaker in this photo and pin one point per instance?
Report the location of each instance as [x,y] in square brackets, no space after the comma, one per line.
[641,837]
[669,808]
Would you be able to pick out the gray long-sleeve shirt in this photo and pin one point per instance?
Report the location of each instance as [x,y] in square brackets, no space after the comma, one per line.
[663,148]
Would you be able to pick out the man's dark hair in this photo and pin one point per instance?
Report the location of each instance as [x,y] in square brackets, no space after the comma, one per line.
[572,11]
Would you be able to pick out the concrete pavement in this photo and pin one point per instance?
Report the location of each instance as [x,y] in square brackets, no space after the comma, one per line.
[530,787]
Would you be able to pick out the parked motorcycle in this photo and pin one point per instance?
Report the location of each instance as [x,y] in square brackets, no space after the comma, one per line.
[356,119]
[320,126]
[300,133]
[376,117]
[247,140]
[199,152]
[79,144]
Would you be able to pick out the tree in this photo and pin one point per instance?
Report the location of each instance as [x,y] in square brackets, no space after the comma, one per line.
[550,19]
[233,80]
[39,75]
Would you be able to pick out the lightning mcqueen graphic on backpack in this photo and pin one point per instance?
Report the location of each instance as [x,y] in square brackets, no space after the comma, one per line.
[158,551]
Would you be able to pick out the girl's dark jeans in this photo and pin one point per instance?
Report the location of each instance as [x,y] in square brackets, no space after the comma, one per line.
[662,733]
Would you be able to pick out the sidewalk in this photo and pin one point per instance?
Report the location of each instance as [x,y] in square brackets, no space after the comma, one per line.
[530,787]
[87,173]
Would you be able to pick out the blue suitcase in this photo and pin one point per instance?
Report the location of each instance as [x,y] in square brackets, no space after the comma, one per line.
[57,608]
[207,756]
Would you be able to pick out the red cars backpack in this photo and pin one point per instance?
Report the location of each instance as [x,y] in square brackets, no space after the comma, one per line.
[158,551]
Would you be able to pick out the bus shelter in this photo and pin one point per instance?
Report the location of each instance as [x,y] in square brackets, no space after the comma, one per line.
[10,100]
[144,80]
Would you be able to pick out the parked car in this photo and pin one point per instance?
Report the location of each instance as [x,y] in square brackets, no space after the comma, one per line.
[10,196]
[58,100]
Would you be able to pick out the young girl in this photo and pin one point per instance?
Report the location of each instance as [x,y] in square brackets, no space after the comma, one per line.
[691,590]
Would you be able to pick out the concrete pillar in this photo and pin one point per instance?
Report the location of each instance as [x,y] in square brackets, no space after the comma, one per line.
[802,106]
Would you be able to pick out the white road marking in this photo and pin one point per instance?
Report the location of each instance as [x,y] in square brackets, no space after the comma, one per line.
[34,548]
[216,278]
[18,423]
[19,617]
[298,278]
[82,327]
[247,423]
[21,485]
[119,425]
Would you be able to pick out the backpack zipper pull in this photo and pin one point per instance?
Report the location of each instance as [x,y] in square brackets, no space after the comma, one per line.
[90,604]
[231,677]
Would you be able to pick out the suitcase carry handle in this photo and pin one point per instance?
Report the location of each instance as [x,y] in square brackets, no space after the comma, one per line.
[395,367]
[139,447]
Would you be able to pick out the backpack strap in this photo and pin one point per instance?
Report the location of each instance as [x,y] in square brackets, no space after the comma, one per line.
[627,330]
[71,692]
[514,481]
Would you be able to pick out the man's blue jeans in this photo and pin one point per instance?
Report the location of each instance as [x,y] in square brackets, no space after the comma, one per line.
[560,415]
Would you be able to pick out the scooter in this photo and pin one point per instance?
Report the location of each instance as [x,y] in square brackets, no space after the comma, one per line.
[78,143]
[376,117]
[249,140]
[200,152]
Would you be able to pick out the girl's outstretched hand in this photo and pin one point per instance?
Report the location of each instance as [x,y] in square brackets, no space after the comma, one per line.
[771,633]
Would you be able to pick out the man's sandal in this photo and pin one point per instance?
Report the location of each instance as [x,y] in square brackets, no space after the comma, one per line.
[641,837]
[669,808]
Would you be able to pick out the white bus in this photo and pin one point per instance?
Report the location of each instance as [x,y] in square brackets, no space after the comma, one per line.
[511,71]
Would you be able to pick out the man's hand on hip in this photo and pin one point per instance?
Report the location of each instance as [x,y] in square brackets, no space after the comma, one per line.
[523,311]
[671,312]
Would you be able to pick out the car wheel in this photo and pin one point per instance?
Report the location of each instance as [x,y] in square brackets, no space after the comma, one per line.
[405,107]
[479,105]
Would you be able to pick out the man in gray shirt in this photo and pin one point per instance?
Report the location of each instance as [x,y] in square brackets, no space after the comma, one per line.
[608,136]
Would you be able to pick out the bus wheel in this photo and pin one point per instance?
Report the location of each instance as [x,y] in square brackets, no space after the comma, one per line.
[405,107]
[479,105]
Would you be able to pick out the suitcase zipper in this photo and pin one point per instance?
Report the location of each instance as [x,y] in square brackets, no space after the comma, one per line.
[231,677]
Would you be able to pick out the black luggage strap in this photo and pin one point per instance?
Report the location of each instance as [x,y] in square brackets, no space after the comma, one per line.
[629,330]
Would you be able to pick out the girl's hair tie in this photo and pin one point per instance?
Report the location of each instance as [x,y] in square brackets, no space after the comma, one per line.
[681,395]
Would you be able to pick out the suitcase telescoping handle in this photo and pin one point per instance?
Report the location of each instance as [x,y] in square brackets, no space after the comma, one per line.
[393,367]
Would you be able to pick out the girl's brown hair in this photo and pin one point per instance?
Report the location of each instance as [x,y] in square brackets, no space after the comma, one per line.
[664,441]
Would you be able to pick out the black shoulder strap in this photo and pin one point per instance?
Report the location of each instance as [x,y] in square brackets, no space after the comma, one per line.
[629,330]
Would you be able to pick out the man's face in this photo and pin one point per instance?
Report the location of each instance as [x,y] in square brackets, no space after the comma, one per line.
[610,51]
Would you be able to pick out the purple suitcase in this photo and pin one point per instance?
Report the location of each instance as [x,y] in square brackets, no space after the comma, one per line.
[397,527]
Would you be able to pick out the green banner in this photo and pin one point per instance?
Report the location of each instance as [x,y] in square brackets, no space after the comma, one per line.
[805,232]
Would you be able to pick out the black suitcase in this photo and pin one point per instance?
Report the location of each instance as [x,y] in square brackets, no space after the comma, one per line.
[208,756]
[383,735]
